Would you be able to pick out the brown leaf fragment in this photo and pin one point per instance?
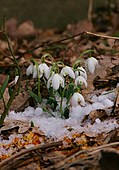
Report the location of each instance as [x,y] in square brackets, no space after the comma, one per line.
[100,113]
[36,130]
[111,137]
[23,126]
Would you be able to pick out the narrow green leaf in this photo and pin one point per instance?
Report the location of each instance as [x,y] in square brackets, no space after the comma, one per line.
[34,96]
[2,89]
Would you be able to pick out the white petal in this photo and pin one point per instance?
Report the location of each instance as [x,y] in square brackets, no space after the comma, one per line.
[29,70]
[55,82]
[44,69]
[61,80]
[76,99]
[16,79]
[34,71]
[83,72]
[91,64]
[49,82]
[80,80]
[68,71]
[47,73]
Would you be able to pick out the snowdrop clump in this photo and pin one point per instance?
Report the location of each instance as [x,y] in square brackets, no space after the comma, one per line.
[62,81]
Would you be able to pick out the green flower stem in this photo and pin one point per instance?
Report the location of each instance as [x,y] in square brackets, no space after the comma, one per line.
[62,96]
[47,55]
[39,93]
[4,102]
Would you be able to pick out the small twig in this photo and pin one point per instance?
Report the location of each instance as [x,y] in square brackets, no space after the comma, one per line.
[101,36]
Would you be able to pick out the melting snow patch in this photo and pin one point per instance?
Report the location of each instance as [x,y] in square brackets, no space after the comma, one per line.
[55,127]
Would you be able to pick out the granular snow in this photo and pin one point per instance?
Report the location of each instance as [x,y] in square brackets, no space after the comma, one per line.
[55,127]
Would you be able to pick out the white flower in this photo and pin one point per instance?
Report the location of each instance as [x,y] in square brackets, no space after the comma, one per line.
[77,99]
[91,64]
[29,70]
[16,79]
[67,71]
[32,70]
[44,69]
[82,72]
[55,81]
[80,80]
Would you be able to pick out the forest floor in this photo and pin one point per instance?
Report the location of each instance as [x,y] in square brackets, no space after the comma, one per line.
[55,143]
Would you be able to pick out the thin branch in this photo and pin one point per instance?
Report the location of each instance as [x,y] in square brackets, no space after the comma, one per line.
[71,37]
[101,36]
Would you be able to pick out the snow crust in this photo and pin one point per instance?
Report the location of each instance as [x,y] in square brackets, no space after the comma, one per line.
[55,127]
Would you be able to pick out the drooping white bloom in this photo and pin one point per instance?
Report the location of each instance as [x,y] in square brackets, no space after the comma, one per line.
[55,81]
[91,64]
[16,79]
[29,70]
[81,71]
[80,80]
[32,70]
[77,99]
[44,69]
[67,71]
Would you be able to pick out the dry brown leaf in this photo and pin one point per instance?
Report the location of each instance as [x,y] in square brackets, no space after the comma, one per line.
[36,130]
[93,115]
[23,126]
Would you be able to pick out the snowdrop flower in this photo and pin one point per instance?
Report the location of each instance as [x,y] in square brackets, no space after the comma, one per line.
[44,69]
[29,70]
[32,70]
[16,79]
[80,80]
[81,71]
[91,64]
[77,99]
[67,71]
[55,81]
